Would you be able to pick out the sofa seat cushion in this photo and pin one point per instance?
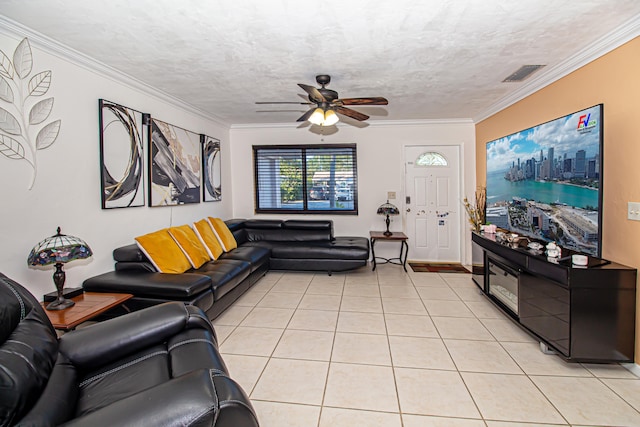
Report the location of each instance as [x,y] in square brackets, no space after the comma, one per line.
[225,275]
[256,255]
[347,248]
[141,283]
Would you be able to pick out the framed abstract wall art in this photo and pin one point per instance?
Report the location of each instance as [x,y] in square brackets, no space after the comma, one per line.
[122,168]
[212,188]
[174,165]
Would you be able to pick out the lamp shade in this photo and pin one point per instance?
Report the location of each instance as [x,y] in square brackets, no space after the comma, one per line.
[330,118]
[388,209]
[323,116]
[58,248]
[317,117]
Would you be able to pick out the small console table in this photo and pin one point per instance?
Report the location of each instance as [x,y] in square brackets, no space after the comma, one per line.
[87,306]
[585,314]
[397,236]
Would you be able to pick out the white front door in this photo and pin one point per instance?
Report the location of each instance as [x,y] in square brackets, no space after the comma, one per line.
[432,175]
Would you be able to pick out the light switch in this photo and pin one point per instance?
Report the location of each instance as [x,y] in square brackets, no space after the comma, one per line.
[633,211]
[391,195]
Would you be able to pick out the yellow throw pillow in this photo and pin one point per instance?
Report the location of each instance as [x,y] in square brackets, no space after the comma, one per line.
[163,252]
[224,235]
[190,245]
[204,231]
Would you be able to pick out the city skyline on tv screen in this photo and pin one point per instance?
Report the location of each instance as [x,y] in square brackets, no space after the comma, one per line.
[544,182]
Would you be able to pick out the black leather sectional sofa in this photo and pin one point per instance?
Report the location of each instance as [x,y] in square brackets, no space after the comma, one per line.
[155,367]
[303,245]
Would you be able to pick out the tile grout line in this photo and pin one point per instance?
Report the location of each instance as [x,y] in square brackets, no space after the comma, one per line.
[387,282]
[616,393]
[515,361]
[475,404]
[255,384]
[333,343]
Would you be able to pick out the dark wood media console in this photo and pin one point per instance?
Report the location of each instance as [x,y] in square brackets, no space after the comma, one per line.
[586,314]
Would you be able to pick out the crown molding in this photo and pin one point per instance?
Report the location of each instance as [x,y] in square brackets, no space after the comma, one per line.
[15,30]
[373,123]
[422,122]
[623,34]
[266,126]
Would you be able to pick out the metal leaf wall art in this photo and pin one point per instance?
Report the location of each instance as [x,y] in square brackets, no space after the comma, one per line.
[22,113]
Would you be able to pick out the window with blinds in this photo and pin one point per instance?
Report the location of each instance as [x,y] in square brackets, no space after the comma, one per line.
[306,178]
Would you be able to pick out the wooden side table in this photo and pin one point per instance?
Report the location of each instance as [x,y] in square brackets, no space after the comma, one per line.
[397,236]
[88,305]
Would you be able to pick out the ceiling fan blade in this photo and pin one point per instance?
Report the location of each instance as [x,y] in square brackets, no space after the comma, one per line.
[351,113]
[314,93]
[278,111]
[283,102]
[306,115]
[376,100]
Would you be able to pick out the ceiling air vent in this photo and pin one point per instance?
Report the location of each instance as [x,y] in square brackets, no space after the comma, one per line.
[522,73]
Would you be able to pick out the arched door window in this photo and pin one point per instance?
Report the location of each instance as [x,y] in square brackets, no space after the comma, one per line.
[431,158]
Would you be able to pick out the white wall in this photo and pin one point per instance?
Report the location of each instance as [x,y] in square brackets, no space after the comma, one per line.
[380,168]
[66,192]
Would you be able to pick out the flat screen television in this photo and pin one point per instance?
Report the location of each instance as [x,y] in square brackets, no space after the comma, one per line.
[545,182]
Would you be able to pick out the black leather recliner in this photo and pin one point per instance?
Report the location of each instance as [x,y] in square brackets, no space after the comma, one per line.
[155,367]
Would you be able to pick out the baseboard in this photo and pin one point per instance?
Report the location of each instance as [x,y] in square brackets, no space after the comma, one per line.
[634,368]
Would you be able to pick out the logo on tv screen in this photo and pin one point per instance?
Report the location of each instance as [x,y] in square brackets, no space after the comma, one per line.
[585,123]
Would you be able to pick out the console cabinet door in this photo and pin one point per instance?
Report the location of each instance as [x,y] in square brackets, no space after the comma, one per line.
[545,310]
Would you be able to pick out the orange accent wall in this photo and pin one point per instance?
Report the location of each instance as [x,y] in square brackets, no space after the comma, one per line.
[614,80]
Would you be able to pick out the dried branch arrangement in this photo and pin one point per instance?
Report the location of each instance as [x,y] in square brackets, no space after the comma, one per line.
[476,212]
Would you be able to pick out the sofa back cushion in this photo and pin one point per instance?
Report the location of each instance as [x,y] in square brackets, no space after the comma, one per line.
[306,224]
[237,228]
[289,231]
[27,353]
[163,252]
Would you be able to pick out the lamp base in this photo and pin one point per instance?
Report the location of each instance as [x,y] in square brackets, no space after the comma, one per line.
[60,304]
[387,221]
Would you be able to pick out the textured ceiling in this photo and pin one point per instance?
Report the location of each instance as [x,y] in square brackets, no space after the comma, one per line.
[432,59]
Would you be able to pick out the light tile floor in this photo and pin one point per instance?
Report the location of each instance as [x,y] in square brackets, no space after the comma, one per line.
[389,348]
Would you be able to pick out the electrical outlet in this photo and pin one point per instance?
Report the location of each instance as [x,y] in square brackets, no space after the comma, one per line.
[391,195]
[633,211]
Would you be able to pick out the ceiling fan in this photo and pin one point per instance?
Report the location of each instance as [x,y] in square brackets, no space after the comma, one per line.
[327,104]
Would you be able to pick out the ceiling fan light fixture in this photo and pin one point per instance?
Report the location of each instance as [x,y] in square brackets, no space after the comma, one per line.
[317,118]
[330,118]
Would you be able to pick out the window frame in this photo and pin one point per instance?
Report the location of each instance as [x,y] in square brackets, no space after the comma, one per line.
[305,190]
[433,154]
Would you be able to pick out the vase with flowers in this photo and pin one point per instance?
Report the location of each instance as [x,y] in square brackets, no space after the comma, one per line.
[476,211]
